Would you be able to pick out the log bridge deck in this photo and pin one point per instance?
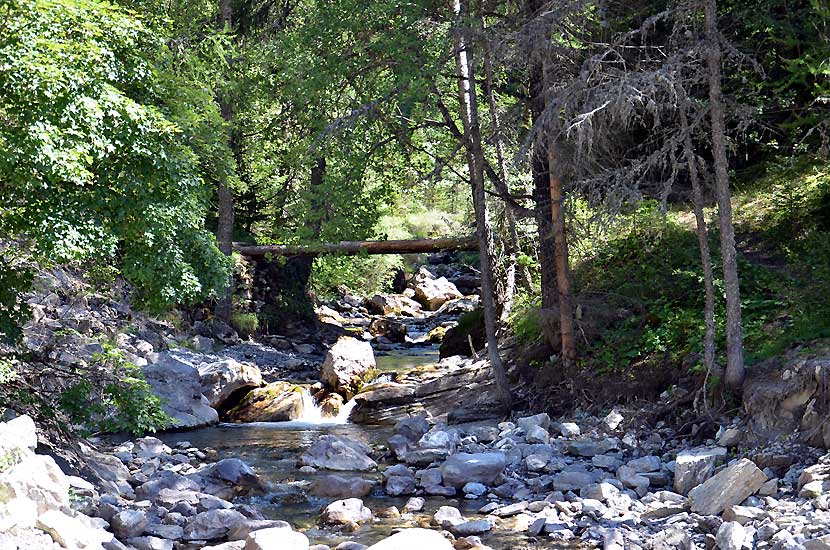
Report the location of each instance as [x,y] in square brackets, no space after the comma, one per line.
[353,248]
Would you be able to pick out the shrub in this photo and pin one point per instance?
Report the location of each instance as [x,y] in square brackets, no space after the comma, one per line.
[245,324]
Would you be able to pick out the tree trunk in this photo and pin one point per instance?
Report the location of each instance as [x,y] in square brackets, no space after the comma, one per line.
[348,248]
[563,271]
[556,196]
[734,332]
[703,243]
[224,226]
[468,103]
[511,243]
[541,185]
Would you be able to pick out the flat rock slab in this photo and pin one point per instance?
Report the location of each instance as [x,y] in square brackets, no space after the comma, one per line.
[729,487]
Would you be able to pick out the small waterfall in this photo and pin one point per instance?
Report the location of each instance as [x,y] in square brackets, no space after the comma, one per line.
[313,413]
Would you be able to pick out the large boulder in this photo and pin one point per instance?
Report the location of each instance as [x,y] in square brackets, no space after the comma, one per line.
[176,381]
[348,364]
[334,452]
[730,486]
[221,379]
[464,392]
[276,402]
[390,329]
[432,293]
[463,468]
[414,539]
[384,304]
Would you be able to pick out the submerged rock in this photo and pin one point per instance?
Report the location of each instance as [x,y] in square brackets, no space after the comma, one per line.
[337,486]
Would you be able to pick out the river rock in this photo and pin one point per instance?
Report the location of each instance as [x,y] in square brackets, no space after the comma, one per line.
[349,512]
[241,530]
[150,543]
[276,402]
[694,466]
[412,428]
[213,524]
[572,480]
[392,330]
[414,539]
[384,304]
[432,293]
[34,479]
[129,523]
[221,379]
[399,480]
[176,381]
[276,538]
[72,532]
[233,472]
[336,486]
[334,452]
[414,504]
[347,365]
[731,536]
[728,487]
[463,468]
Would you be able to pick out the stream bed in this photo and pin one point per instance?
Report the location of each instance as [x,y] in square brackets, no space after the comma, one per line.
[273,448]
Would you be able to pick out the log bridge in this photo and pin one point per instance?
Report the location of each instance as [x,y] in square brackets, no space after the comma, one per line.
[353,248]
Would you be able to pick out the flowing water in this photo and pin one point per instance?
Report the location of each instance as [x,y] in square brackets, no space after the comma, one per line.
[273,448]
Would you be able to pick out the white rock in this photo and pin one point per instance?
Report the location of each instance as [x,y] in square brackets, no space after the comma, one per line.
[414,539]
[569,429]
[730,536]
[273,538]
[694,466]
[728,487]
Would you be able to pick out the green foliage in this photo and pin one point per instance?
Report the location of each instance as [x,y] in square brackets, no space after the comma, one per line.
[245,324]
[13,310]
[362,275]
[106,151]
[524,318]
[123,403]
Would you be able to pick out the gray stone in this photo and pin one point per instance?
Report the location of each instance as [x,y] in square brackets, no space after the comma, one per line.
[347,364]
[572,480]
[645,464]
[475,489]
[731,536]
[242,529]
[334,452]
[695,466]
[414,504]
[631,479]
[569,429]
[350,512]
[150,543]
[537,434]
[730,486]
[221,379]
[175,380]
[412,428]
[128,523]
[463,468]
[213,524]
[170,532]
[526,423]
[337,486]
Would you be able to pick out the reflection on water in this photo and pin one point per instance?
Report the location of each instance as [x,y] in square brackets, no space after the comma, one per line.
[404,360]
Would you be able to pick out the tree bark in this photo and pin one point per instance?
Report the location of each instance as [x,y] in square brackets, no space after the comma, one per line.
[468,103]
[350,248]
[224,226]
[541,185]
[563,271]
[703,244]
[511,243]
[734,332]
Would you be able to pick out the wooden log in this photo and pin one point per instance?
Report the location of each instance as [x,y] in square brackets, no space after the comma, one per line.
[351,248]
